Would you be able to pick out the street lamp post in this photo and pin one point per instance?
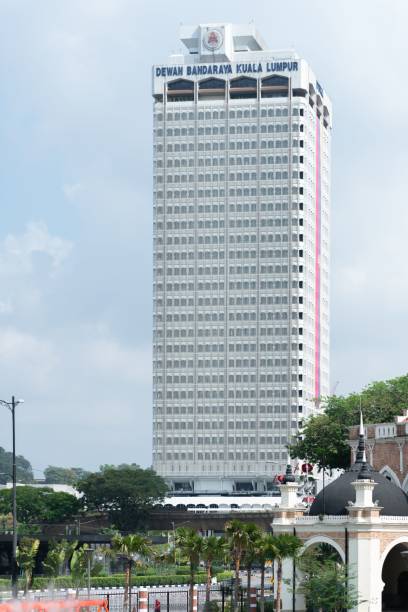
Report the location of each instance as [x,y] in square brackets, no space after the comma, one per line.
[14,570]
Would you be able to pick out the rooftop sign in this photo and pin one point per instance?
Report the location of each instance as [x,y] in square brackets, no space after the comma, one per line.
[206,69]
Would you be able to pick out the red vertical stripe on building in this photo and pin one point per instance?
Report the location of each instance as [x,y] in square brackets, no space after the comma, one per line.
[317,264]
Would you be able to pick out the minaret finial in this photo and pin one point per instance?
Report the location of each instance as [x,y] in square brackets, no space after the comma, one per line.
[364,473]
[289,477]
[361,439]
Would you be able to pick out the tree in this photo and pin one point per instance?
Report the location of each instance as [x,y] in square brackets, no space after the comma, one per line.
[78,566]
[60,506]
[26,557]
[58,555]
[23,468]
[61,475]
[237,538]
[286,546]
[130,548]
[324,437]
[191,546]
[325,584]
[265,551]
[323,442]
[213,549]
[254,534]
[126,493]
[40,504]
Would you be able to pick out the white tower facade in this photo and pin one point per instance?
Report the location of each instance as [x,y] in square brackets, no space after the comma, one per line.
[241,257]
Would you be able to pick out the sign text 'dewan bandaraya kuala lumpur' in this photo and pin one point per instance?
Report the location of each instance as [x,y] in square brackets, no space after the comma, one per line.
[204,69]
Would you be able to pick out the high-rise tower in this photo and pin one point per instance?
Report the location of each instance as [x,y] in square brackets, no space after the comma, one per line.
[241,257]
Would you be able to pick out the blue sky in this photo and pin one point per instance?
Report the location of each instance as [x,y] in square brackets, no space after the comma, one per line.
[75,193]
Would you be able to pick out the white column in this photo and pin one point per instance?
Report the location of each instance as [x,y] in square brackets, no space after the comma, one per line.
[365,570]
[289,498]
[287,588]
[364,493]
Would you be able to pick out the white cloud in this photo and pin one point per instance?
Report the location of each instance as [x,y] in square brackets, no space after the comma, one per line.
[24,357]
[16,253]
[107,357]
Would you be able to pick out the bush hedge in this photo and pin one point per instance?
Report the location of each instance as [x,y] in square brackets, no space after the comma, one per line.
[114,580]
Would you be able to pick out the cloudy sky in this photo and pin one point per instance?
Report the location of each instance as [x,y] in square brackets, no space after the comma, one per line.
[75,197]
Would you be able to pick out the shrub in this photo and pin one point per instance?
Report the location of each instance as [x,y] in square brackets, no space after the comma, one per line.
[211,606]
[115,580]
[224,575]
[268,605]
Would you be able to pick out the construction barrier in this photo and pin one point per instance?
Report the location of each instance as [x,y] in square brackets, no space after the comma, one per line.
[71,605]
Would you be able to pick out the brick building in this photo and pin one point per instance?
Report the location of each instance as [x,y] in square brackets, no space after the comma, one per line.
[387,448]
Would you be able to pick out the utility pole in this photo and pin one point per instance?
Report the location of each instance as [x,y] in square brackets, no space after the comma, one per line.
[14,568]
[14,555]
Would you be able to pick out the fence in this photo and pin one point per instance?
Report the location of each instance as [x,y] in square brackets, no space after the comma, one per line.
[171,598]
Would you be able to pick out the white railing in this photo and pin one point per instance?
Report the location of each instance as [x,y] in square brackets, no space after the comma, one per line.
[394,519]
[326,518]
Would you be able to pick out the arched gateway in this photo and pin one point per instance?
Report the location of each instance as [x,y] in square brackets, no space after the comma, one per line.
[364,517]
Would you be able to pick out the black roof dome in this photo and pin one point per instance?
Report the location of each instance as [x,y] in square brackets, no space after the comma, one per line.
[340,492]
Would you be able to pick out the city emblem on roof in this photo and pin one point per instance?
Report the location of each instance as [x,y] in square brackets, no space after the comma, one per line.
[212,39]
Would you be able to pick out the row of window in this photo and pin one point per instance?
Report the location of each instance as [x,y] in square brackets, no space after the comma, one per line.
[233,176]
[219,363]
[233,145]
[214,394]
[233,114]
[268,315]
[216,130]
[237,347]
[233,301]
[238,285]
[242,375]
[233,192]
[185,162]
[183,209]
[238,409]
[272,253]
[215,270]
[214,456]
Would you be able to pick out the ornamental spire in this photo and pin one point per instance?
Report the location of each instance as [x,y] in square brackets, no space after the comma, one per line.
[289,477]
[361,441]
[364,473]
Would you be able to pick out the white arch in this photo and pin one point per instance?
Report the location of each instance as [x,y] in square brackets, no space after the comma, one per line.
[387,470]
[322,539]
[401,540]
[404,485]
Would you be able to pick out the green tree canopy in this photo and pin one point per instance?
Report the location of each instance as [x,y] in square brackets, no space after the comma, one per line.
[324,437]
[24,469]
[61,475]
[40,505]
[325,583]
[126,493]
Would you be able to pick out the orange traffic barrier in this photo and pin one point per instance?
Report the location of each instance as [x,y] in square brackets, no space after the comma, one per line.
[50,606]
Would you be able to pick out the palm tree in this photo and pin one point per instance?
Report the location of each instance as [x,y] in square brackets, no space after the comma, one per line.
[191,545]
[131,548]
[265,551]
[26,555]
[58,555]
[286,547]
[79,565]
[213,549]
[254,534]
[238,540]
